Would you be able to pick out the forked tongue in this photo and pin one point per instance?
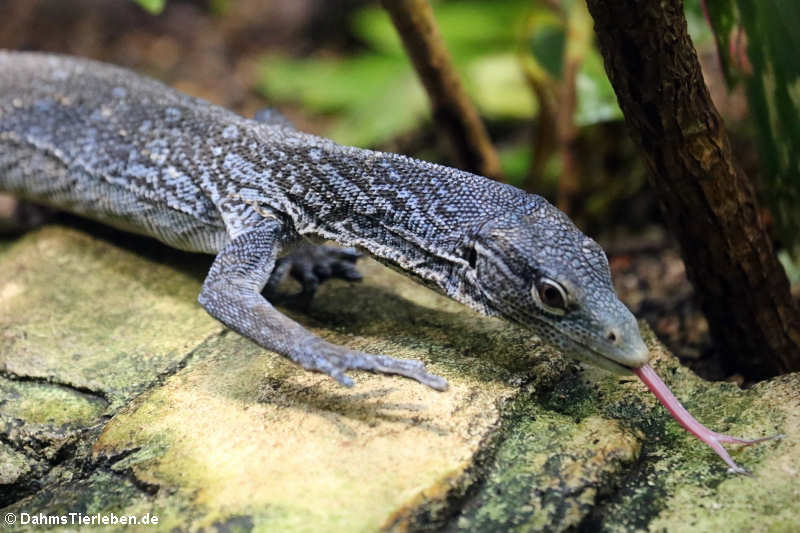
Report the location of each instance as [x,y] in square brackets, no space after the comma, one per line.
[679,413]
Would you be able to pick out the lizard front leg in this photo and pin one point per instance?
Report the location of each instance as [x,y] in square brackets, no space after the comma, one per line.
[232,294]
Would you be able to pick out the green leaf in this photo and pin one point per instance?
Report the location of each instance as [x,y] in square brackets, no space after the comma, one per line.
[395,109]
[473,28]
[597,101]
[470,28]
[153,6]
[328,84]
[699,31]
[374,27]
[515,161]
[790,266]
[547,46]
[377,97]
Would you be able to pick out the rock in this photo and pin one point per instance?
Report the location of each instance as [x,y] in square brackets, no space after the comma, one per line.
[13,466]
[642,471]
[82,314]
[119,394]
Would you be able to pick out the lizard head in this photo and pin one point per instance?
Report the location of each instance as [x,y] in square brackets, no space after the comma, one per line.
[537,269]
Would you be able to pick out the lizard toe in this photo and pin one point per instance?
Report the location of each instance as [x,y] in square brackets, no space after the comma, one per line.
[342,378]
[311,266]
[346,271]
[334,360]
[409,368]
[350,255]
[323,271]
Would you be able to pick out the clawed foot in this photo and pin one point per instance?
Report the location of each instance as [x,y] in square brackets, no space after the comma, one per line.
[311,266]
[334,360]
[228,295]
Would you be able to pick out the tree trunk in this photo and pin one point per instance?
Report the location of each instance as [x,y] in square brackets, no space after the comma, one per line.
[707,201]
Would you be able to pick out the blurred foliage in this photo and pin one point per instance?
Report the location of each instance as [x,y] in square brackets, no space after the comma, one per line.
[556,32]
[699,30]
[597,101]
[219,7]
[758,43]
[373,96]
[791,266]
[153,6]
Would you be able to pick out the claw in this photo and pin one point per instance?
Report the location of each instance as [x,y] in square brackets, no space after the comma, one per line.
[343,379]
[350,254]
[312,266]
[711,438]
[346,271]
[323,271]
[409,368]
[433,381]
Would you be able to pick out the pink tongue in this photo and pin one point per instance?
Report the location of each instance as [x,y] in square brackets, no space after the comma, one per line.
[679,413]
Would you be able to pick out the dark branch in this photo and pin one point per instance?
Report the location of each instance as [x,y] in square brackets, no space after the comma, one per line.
[453,112]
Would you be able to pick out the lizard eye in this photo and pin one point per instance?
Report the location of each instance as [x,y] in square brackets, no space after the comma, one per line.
[551,295]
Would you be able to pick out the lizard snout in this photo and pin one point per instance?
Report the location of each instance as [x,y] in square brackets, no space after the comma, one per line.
[627,346]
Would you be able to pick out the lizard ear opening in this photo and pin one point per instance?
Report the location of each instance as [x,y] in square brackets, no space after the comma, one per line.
[472,257]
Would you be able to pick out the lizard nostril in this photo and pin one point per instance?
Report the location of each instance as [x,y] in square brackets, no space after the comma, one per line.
[612,336]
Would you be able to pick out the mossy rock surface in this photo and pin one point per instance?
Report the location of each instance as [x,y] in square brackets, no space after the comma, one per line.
[118,394]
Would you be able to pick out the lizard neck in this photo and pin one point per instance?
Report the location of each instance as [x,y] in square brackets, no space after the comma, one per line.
[413,215]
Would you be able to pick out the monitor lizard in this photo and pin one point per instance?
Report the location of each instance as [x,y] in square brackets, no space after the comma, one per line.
[105,143]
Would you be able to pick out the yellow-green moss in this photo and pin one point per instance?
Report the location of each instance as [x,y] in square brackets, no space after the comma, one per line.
[248,434]
[45,403]
[78,311]
[547,472]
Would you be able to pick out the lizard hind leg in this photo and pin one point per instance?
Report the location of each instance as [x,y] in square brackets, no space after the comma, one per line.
[311,266]
[19,216]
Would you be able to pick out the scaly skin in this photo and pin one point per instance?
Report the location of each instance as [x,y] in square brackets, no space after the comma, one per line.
[107,144]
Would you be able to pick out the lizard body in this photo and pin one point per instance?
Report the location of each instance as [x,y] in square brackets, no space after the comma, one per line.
[107,144]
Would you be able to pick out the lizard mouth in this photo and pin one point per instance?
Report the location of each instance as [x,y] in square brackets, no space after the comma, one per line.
[620,355]
[616,360]
[618,363]
[602,361]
